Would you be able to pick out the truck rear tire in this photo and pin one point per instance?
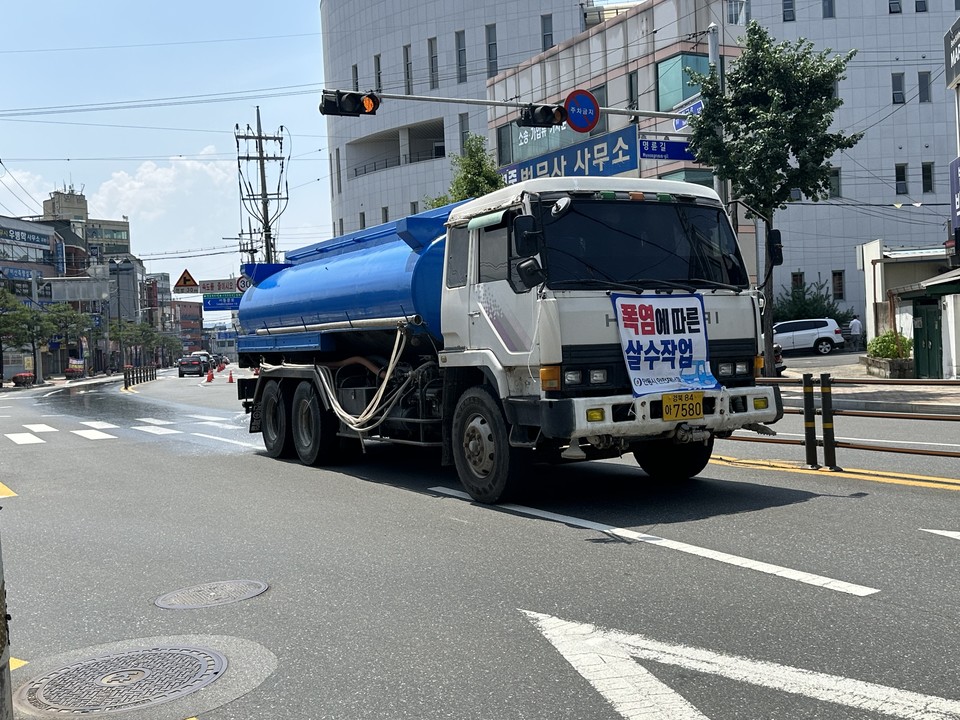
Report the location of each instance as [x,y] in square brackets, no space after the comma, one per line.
[667,460]
[275,421]
[482,454]
[313,429]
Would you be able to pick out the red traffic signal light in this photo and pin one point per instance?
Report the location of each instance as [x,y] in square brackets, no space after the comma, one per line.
[349,104]
[542,116]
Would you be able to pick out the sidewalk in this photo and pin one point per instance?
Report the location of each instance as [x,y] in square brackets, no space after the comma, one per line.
[905,398]
[61,381]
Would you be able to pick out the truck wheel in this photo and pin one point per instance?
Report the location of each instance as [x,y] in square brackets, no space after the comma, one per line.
[275,421]
[314,429]
[666,460]
[481,449]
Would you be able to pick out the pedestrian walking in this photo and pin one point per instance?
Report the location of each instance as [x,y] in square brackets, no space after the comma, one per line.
[856,333]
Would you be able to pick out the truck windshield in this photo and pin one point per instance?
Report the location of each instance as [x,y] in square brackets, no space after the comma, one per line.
[640,244]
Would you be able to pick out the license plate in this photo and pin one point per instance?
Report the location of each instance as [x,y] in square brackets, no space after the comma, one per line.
[683,406]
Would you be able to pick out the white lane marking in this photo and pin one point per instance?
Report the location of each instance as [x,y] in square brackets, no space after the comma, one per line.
[154,421]
[98,424]
[154,430]
[52,415]
[778,570]
[602,656]
[945,533]
[875,441]
[223,425]
[52,392]
[232,442]
[208,417]
[40,428]
[93,435]
[24,438]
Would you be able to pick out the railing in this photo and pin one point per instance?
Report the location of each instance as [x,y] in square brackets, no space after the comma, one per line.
[134,375]
[827,413]
[396,161]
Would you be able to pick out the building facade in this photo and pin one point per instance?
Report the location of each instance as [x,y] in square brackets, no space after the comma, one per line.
[383,167]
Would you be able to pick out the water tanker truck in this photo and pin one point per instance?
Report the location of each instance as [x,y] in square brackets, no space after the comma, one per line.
[554,320]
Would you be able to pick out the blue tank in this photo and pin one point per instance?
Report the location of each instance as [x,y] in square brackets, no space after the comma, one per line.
[392,270]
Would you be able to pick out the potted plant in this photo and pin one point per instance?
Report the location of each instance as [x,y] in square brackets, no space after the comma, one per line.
[23,379]
[888,355]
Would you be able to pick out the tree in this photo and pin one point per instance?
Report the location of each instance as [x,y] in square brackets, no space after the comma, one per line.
[475,174]
[809,301]
[769,133]
[68,321]
[11,325]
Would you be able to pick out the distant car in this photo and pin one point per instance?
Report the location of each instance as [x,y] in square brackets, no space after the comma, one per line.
[205,357]
[822,335]
[192,365]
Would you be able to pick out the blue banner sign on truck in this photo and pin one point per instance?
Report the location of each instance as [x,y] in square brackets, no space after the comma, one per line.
[601,156]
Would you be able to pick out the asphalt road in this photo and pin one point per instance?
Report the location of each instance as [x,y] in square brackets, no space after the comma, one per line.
[756,591]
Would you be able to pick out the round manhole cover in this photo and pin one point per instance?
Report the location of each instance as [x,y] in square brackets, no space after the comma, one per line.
[115,683]
[210,594]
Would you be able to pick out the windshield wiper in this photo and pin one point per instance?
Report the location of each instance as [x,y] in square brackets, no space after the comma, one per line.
[716,284]
[633,285]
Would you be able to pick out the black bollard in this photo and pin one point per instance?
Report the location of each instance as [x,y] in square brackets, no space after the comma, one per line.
[809,423]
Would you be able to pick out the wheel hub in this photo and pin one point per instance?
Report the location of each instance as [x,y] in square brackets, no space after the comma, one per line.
[477,447]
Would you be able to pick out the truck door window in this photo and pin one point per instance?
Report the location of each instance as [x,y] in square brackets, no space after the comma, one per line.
[493,255]
[458,246]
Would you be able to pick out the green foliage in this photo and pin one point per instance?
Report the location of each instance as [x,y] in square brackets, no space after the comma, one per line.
[778,105]
[890,345]
[475,174]
[809,301]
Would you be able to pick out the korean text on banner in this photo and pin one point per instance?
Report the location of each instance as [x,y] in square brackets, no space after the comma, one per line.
[664,342]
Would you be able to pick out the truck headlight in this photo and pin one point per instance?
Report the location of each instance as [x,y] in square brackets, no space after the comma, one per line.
[743,367]
[598,377]
[726,369]
[572,377]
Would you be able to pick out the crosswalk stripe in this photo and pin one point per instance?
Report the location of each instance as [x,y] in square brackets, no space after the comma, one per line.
[98,424]
[40,428]
[93,435]
[207,417]
[154,430]
[24,438]
[154,421]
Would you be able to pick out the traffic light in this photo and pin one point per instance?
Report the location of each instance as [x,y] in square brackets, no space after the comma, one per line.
[349,104]
[542,116]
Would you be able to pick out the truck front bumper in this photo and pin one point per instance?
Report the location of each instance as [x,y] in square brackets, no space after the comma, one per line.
[625,416]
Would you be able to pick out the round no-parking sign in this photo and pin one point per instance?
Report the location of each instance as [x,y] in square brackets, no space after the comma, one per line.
[583,111]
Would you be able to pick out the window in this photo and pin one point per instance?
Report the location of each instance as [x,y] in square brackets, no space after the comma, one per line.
[795,195]
[789,14]
[504,145]
[926,174]
[363,220]
[633,94]
[407,71]
[600,93]
[491,50]
[900,172]
[899,97]
[546,31]
[377,75]
[894,6]
[458,242]
[672,80]
[838,284]
[921,6]
[738,12]
[464,131]
[828,10]
[355,75]
[339,183]
[385,214]
[492,253]
[461,43]
[340,223]
[796,280]
[834,183]
[434,66]
[414,207]
[923,82]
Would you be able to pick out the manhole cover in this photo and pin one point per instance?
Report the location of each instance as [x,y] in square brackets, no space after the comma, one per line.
[210,594]
[115,683]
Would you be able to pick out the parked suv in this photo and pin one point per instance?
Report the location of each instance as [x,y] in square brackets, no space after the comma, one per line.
[822,335]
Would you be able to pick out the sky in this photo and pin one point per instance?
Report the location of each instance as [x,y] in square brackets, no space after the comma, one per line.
[135,104]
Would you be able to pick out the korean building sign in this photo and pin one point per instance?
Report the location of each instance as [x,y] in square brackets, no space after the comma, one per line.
[24,236]
[664,342]
[604,155]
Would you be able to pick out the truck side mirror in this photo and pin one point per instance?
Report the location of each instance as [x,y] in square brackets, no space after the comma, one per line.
[526,236]
[530,272]
[775,247]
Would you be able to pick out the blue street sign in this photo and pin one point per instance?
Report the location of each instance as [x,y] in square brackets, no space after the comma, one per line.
[583,111]
[221,303]
[604,155]
[694,109]
[664,150]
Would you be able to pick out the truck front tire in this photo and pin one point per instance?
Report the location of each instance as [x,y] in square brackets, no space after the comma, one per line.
[275,421]
[313,429]
[667,460]
[481,448]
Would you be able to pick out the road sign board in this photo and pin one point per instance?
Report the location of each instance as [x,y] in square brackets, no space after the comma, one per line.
[692,109]
[583,111]
[222,301]
[664,150]
[242,283]
[186,283]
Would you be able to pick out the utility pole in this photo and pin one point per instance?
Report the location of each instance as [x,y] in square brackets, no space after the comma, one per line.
[257,198]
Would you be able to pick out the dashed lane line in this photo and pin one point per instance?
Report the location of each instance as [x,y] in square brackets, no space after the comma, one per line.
[742,562]
[231,442]
[945,533]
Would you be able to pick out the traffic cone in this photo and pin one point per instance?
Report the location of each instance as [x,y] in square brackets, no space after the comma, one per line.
[220,367]
[230,379]
[210,375]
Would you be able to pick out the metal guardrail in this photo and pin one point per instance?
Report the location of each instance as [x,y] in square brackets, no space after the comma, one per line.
[827,413]
[138,374]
